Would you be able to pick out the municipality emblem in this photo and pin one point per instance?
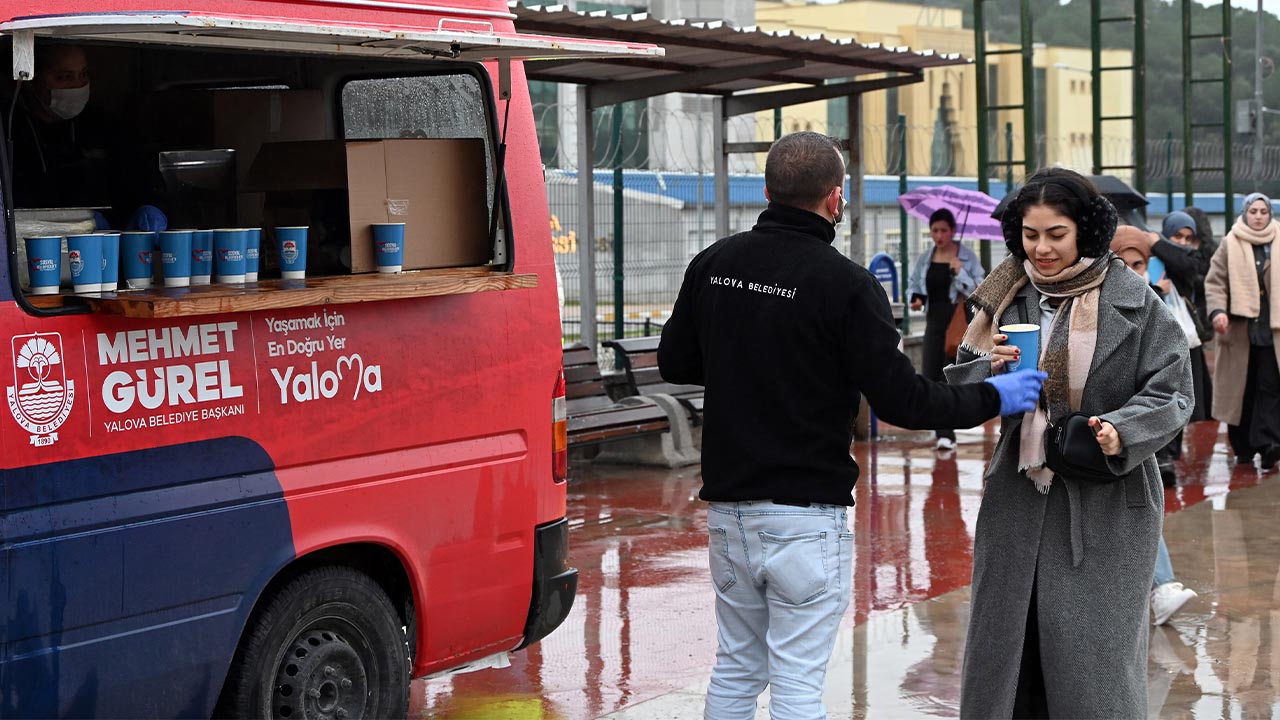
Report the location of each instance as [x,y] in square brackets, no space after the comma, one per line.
[41,396]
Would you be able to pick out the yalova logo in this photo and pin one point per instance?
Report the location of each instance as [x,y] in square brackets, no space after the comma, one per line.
[41,396]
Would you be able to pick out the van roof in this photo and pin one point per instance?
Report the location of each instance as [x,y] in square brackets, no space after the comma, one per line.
[465,38]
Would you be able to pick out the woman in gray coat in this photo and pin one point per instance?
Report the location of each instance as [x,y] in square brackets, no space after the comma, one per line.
[1062,567]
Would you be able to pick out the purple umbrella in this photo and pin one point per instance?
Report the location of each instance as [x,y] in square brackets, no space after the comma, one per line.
[971,208]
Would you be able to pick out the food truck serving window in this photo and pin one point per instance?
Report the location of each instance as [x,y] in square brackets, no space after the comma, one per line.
[254,141]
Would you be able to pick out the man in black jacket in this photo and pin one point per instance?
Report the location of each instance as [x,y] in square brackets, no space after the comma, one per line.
[785,333]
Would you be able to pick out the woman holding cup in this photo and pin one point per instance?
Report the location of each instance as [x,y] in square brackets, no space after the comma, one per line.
[1240,294]
[1063,565]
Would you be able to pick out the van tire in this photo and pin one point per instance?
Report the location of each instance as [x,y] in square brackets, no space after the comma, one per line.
[330,639]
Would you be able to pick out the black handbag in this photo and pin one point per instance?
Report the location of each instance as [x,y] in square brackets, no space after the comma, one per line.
[1072,451]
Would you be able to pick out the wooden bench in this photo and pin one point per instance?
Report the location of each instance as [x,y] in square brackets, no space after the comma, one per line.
[638,359]
[594,419]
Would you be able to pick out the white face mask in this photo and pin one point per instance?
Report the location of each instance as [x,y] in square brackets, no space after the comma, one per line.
[67,104]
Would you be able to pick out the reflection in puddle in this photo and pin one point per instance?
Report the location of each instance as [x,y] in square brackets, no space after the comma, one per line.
[641,637]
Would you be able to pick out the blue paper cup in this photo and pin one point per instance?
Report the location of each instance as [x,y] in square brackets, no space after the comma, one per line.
[1025,337]
[292,243]
[137,248]
[1155,269]
[44,263]
[388,246]
[228,255]
[175,257]
[84,255]
[110,262]
[252,248]
[201,257]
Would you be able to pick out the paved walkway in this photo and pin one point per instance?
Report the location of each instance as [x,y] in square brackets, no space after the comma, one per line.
[640,641]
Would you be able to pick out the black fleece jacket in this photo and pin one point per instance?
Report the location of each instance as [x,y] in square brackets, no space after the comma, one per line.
[785,332]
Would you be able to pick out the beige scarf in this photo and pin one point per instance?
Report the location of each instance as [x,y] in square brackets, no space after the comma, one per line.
[1242,274]
[1067,355]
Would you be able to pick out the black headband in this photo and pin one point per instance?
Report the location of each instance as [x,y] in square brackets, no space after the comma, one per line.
[1095,226]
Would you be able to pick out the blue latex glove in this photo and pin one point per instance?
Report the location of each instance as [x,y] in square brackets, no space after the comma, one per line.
[148,218]
[1019,390]
[100,222]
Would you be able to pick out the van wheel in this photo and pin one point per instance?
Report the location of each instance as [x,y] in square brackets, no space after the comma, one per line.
[328,645]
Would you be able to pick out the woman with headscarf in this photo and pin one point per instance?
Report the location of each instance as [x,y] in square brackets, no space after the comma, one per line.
[1241,294]
[1136,247]
[1062,566]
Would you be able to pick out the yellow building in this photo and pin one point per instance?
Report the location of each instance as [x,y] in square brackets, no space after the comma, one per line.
[941,112]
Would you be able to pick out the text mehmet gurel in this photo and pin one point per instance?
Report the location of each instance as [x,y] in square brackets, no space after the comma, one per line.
[763,288]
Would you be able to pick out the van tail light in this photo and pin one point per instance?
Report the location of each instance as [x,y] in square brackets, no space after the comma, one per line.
[559,432]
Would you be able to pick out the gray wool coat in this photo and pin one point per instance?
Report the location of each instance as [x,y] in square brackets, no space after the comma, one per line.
[1087,550]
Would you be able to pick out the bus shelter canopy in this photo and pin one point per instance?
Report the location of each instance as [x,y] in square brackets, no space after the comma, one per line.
[717,58]
[741,67]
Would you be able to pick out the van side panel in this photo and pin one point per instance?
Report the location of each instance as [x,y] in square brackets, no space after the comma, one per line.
[541,320]
[158,473]
[132,575]
[447,468]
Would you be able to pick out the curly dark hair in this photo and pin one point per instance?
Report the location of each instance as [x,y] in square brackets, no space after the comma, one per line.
[1071,194]
[945,216]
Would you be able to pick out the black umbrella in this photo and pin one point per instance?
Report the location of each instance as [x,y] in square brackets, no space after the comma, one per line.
[1125,198]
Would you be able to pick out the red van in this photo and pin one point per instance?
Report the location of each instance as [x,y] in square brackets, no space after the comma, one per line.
[281,498]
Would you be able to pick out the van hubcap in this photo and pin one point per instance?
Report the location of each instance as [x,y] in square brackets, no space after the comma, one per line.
[321,678]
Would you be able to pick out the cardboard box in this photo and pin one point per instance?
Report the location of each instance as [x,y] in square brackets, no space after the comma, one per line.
[437,187]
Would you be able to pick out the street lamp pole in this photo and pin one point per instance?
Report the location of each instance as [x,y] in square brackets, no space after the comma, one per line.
[1257,105]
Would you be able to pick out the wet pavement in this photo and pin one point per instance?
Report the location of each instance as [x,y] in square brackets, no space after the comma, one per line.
[640,642]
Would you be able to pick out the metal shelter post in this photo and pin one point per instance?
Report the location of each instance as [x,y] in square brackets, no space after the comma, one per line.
[619,230]
[586,221]
[857,203]
[986,106]
[1223,124]
[720,159]
[903,258]
[1138,161]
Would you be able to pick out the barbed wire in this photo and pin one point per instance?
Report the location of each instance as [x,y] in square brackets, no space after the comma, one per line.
[676,140]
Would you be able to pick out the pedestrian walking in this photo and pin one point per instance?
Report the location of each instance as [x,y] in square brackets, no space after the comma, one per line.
[1062,566]
[1135,247]
[941,278]
[1241,291]
[785,333]
[1205,246]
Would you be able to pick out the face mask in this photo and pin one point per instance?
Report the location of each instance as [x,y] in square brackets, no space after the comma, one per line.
[67,104]
[840,213]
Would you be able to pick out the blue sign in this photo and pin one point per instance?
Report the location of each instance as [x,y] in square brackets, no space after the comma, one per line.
[883,267]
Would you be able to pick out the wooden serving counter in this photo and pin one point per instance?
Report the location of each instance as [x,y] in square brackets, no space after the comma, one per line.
[275,294]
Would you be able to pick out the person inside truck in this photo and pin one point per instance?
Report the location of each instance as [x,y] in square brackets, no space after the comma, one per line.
[65,153]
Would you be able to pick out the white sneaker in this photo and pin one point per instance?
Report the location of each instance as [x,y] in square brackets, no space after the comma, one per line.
[945,443]
[1167,600]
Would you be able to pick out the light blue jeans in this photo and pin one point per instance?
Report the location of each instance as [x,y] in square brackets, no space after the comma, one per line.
[1164,566]
[782,581]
